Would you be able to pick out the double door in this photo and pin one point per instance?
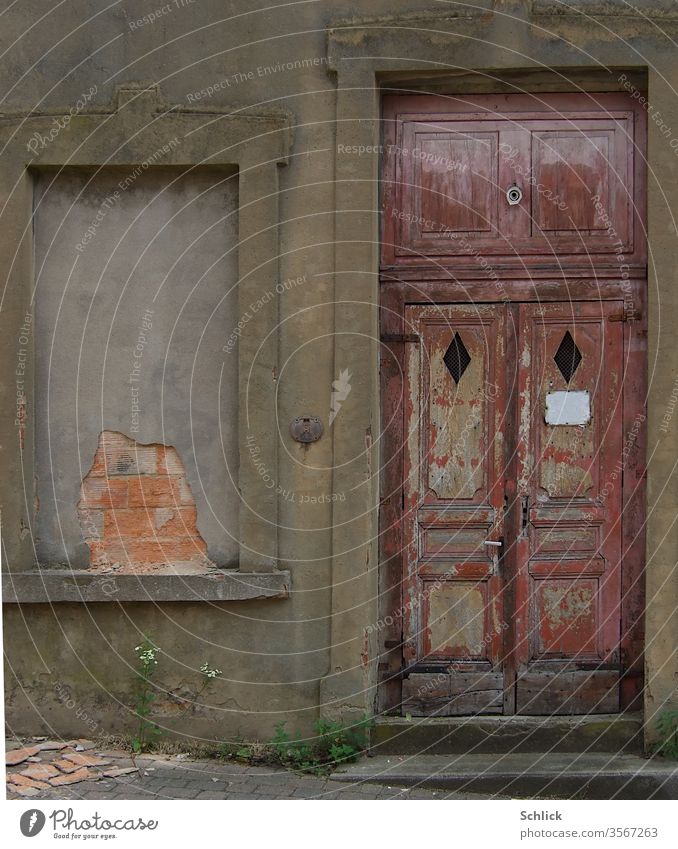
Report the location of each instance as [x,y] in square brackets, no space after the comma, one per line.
[513,464]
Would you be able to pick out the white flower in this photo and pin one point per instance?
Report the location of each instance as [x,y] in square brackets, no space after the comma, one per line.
[208,672]
[146,655]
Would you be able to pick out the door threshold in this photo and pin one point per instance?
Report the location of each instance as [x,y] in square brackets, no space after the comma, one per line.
[611,733]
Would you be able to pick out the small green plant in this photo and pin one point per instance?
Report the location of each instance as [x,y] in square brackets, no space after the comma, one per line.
[252,753]
[292,752]
[146,667]
[337,743]
[333,745]
[231,749]
[208,675]
[148,731]
[667,725]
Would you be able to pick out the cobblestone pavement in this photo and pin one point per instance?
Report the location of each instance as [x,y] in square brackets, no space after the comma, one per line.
[113,774]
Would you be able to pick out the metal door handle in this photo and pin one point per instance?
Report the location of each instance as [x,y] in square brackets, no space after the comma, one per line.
[496,545]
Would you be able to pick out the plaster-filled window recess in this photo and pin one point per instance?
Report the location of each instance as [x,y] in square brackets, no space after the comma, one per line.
[136,400]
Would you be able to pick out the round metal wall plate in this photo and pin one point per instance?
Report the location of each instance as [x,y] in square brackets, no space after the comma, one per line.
[306,429]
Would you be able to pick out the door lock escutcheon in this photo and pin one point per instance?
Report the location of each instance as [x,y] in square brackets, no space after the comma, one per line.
[514,194]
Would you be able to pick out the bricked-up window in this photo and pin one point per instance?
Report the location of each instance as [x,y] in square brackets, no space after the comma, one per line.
[135,296]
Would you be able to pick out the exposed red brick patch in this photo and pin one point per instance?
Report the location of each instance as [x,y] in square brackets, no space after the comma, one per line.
[137,512]
[156,491]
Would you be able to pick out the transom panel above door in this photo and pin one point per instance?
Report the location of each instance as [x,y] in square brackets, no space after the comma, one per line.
[523,178]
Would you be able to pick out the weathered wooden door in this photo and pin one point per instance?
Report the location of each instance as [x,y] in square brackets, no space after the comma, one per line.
[565,567]
[512,508]
[456,428]
[513,274]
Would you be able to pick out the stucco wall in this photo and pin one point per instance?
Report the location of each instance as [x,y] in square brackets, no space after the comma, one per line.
[205,57]
[70,669]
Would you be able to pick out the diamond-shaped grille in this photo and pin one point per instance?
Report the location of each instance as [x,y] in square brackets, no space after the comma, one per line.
[567,357]
[457,358]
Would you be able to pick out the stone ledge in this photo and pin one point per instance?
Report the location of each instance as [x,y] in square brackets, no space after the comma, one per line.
[50,586]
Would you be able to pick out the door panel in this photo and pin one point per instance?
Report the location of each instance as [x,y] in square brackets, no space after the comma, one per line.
[567,554]
[573,166]
[453,500]
[456,173]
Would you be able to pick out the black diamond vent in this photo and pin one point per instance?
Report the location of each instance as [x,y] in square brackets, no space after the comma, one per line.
[567,357]
[457,358]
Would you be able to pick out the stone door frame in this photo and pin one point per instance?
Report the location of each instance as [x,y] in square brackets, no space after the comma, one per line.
[476,42]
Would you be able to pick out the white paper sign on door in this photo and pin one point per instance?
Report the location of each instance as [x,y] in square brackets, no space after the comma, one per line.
[568,408]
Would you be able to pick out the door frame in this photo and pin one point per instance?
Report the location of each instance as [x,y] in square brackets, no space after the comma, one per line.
[395,294]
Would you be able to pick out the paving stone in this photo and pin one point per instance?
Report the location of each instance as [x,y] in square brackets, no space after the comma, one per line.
[96,793]
[52,746]
[114,773]
[82,744]
[40,771]
[275,780]
[86,760]
[123,763]
[356,794]
[27,791]
[178,792]
[164,777]
[335,794]
[167,781]
[17,756]
[81,775]
[66,766]
[19,780]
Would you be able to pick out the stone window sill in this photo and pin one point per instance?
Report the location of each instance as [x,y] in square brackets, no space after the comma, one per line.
[65,585]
